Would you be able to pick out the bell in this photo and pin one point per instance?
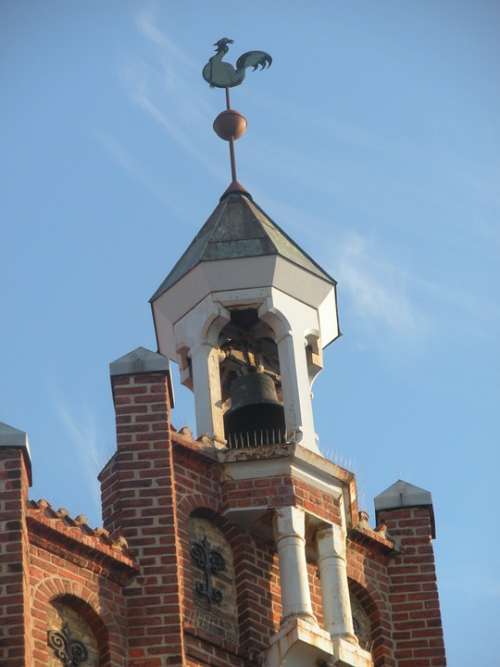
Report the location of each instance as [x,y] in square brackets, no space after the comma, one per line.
[255,410]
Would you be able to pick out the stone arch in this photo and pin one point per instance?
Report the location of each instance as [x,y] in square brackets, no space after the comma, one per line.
[375,608]
[86,603]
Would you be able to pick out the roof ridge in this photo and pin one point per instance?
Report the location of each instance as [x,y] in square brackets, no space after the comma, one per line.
[222,205]
[270,221]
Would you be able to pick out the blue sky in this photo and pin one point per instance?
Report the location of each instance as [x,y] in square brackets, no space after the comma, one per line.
[373,140]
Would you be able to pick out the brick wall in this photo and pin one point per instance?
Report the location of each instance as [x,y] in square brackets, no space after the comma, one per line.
[15,617]
[160,489]
[369,581]
[59,574]
[138,497]
[417,627]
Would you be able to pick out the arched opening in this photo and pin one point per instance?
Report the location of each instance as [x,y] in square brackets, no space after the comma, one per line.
[213,579]
[250,382]
[75,634]
[365,616]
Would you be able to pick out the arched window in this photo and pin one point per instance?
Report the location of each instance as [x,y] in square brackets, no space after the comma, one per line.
[250,382]
[214,589]
[71,639]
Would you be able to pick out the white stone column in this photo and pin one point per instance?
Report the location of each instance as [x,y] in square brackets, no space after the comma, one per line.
[297,399]
[331,543]
[289,526]
[207,390]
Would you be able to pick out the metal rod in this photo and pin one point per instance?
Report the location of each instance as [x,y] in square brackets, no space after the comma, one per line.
[232,156]
[232,159]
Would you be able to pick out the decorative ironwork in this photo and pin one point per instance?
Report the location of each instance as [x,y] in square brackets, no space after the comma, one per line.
[221,74]
[230,124]
[210,562]
[71,652]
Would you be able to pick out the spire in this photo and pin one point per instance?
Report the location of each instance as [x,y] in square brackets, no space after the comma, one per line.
[230,125]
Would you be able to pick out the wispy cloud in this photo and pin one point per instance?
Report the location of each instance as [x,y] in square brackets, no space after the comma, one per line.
[379,290]
[163,86]
[379,293]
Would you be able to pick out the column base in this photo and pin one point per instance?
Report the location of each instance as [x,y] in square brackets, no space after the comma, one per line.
[301,643]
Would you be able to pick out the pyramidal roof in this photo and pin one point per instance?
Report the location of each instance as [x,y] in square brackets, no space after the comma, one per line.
[238,228]
[402,494]
[140,360]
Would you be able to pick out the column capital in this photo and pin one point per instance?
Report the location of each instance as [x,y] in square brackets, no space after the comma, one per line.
[331,541]
[289,522]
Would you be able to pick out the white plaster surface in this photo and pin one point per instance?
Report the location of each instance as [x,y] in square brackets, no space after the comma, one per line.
[239,274]
[192,313]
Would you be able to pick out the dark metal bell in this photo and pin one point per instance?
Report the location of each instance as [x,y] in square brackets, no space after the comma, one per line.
[254,406]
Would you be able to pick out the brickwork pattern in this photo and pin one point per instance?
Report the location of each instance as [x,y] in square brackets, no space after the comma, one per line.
[369,579]
[417,626]
[15,617]
[198,490]
[99,599]
[138,497]
[160,489]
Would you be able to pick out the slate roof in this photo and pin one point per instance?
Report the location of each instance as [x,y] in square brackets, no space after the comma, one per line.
[238,228]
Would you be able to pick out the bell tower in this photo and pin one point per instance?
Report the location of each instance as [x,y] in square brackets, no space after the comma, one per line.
[293,574]
[246,314]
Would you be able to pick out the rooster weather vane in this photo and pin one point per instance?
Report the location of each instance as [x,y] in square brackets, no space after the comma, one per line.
[230,124]
[223,75]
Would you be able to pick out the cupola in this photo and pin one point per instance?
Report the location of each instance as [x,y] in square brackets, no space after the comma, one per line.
[246,313]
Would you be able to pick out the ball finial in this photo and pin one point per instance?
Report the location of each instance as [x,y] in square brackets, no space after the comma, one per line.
[230,125]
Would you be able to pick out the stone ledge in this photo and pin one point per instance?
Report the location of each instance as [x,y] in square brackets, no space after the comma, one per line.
[371,538]
[347,654]
[299,643]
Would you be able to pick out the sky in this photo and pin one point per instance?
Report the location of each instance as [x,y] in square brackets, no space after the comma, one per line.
[373,140]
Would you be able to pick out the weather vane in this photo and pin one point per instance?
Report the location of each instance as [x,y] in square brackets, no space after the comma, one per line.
[230,124]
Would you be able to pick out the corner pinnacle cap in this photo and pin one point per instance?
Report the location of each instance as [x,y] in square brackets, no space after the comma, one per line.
[140,360]
[13,437]
[402,494]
